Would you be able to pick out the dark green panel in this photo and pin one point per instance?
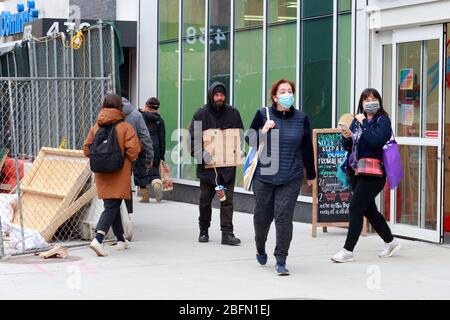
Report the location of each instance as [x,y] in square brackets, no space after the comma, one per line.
[317,71]
[313,8]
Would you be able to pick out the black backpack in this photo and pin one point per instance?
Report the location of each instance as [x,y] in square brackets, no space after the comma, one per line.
[104,153]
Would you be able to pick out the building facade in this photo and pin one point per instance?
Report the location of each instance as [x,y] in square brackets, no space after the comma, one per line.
[332,49]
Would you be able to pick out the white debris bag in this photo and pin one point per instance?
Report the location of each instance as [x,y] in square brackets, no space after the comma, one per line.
[33,239]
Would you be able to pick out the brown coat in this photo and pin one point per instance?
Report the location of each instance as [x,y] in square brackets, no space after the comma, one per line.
[115,185]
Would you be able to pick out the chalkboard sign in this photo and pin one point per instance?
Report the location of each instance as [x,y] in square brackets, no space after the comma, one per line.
[331,200]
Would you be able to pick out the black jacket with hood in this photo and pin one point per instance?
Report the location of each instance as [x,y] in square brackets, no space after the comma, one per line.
[157,130]
[226,117]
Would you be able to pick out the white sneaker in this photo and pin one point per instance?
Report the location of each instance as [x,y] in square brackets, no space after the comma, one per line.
[389,249]
[121,246]
[343,256]
[98,248]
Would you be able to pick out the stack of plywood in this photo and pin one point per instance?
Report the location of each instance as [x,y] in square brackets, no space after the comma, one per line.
[51,190]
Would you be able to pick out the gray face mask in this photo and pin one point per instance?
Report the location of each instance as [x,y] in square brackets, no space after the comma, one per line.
[371,108]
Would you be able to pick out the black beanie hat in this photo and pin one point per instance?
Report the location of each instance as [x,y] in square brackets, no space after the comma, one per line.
[219,89]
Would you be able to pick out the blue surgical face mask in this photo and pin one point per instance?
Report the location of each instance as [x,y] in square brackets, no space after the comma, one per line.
[286,100]
[371,107]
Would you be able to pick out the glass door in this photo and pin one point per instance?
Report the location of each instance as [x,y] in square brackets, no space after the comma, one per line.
[417,115]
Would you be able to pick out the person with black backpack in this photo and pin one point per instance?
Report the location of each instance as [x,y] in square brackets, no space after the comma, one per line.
[111,145]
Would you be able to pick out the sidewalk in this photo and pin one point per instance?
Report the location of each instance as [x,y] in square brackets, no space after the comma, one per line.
[166,262]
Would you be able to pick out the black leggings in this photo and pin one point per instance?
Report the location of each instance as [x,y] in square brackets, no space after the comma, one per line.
[111,217]
[365,190]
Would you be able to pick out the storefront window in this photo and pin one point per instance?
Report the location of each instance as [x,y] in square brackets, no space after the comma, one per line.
[282,11]
[344,65]
[168,17]
[219,43]
[248,61]
[318,71]
[168,96]
[416,195]
[168,75]
[249,13]
[387,78]
[281,47]
[418,98]
[193,74]
[344,5]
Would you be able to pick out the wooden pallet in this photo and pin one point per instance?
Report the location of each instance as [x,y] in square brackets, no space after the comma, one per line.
[51,188]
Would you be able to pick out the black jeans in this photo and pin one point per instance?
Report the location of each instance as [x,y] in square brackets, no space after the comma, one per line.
[277,203]
[111,217]
[365,190]
[207,193]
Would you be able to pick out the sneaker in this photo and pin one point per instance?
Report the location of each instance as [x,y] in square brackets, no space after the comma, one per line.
[389,249]
[281,269]
[343,256]
[121,246]
[261,258]
[158,188]
[98,248]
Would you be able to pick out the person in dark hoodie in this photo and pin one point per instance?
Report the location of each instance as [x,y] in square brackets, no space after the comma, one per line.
[157,130]
[134,117]
[216,114]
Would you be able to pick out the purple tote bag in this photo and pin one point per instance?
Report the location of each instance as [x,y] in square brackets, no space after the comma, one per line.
[393,163]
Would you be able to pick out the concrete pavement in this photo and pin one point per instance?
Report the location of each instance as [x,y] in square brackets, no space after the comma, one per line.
[166,262]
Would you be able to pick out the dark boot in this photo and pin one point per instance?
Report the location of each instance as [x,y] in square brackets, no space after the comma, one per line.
[203,237]
[228,238]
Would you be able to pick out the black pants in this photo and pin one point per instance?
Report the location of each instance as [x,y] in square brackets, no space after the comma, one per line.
[207,193]
[365,190]
[111,217]
[277,203]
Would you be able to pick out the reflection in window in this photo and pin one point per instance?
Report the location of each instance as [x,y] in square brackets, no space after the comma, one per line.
[219,43]
[249,13]
[317,70]
[344,65]
[168,17]
[168,74]
[193,74]
[282,11]
[281,50]
[416,195]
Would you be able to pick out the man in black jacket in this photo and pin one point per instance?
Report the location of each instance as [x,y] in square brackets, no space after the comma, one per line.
[216,114]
